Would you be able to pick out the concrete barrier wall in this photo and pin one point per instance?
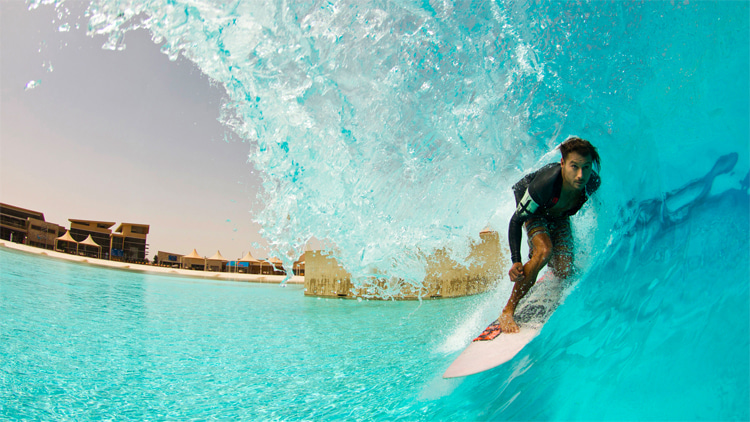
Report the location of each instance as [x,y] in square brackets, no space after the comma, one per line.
[324,276]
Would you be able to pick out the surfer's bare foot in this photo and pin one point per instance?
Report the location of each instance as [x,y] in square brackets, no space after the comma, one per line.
[507,323]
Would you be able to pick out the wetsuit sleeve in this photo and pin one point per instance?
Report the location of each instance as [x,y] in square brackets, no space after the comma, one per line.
[525,207]
[514,238]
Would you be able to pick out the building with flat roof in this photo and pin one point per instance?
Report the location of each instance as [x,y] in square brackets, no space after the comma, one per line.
[169,259]
[14,222]
[100,232]
[42,234]
[86,237]
[20,225]
[129,242]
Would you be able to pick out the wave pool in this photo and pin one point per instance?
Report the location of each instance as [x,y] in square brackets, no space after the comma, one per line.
[384,128]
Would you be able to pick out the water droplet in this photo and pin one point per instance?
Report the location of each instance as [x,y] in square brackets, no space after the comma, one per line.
[32,84]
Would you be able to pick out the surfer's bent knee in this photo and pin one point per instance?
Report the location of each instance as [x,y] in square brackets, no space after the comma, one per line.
[540,243]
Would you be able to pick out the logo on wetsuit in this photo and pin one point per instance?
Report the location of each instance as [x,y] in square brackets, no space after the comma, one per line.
[526,206]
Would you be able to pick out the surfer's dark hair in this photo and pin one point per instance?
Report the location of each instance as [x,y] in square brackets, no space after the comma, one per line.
[581,146]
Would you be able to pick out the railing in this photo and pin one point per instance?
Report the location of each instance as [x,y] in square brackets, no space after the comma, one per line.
[13,222]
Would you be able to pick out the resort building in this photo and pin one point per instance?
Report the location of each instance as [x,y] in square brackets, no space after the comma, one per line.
[89,247]
[100,232]
[193,261]
[43,234]
[95,239]
[248,264]
[168,259]
[20,225]
[129,242]
[299,266]
[216,263]
[13,222]
[273,266]
[66,244]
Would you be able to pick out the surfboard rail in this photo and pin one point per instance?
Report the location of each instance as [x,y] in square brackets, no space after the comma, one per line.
[480,355]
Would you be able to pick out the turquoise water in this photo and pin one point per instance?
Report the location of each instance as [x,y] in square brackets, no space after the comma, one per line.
[669,341]
[83,343]
[385,128]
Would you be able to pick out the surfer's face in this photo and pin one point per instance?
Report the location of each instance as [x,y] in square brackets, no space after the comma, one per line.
[576,170]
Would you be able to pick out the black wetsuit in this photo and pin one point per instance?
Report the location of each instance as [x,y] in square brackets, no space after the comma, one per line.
[535,195]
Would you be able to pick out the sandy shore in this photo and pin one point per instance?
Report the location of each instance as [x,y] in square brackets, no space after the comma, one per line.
[254,278]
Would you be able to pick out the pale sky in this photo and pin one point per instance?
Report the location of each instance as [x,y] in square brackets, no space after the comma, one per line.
[125,136]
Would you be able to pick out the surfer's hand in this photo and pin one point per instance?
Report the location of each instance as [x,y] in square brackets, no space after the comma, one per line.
[516,272]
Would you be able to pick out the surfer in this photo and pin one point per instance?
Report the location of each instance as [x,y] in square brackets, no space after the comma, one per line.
[545,201]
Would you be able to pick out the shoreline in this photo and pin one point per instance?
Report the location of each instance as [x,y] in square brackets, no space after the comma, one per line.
[125,266]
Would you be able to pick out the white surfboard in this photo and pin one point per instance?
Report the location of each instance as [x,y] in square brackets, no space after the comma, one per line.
[480,356]
[531,314]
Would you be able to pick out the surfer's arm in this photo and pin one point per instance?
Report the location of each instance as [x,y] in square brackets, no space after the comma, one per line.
[514,238]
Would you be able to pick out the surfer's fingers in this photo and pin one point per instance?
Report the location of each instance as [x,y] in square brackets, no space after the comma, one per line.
[516,273]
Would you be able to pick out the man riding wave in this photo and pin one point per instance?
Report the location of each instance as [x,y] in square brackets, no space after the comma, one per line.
[545,201]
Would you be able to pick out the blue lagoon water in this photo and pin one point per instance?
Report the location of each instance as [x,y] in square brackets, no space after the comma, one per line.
[80,342]
[390,129]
